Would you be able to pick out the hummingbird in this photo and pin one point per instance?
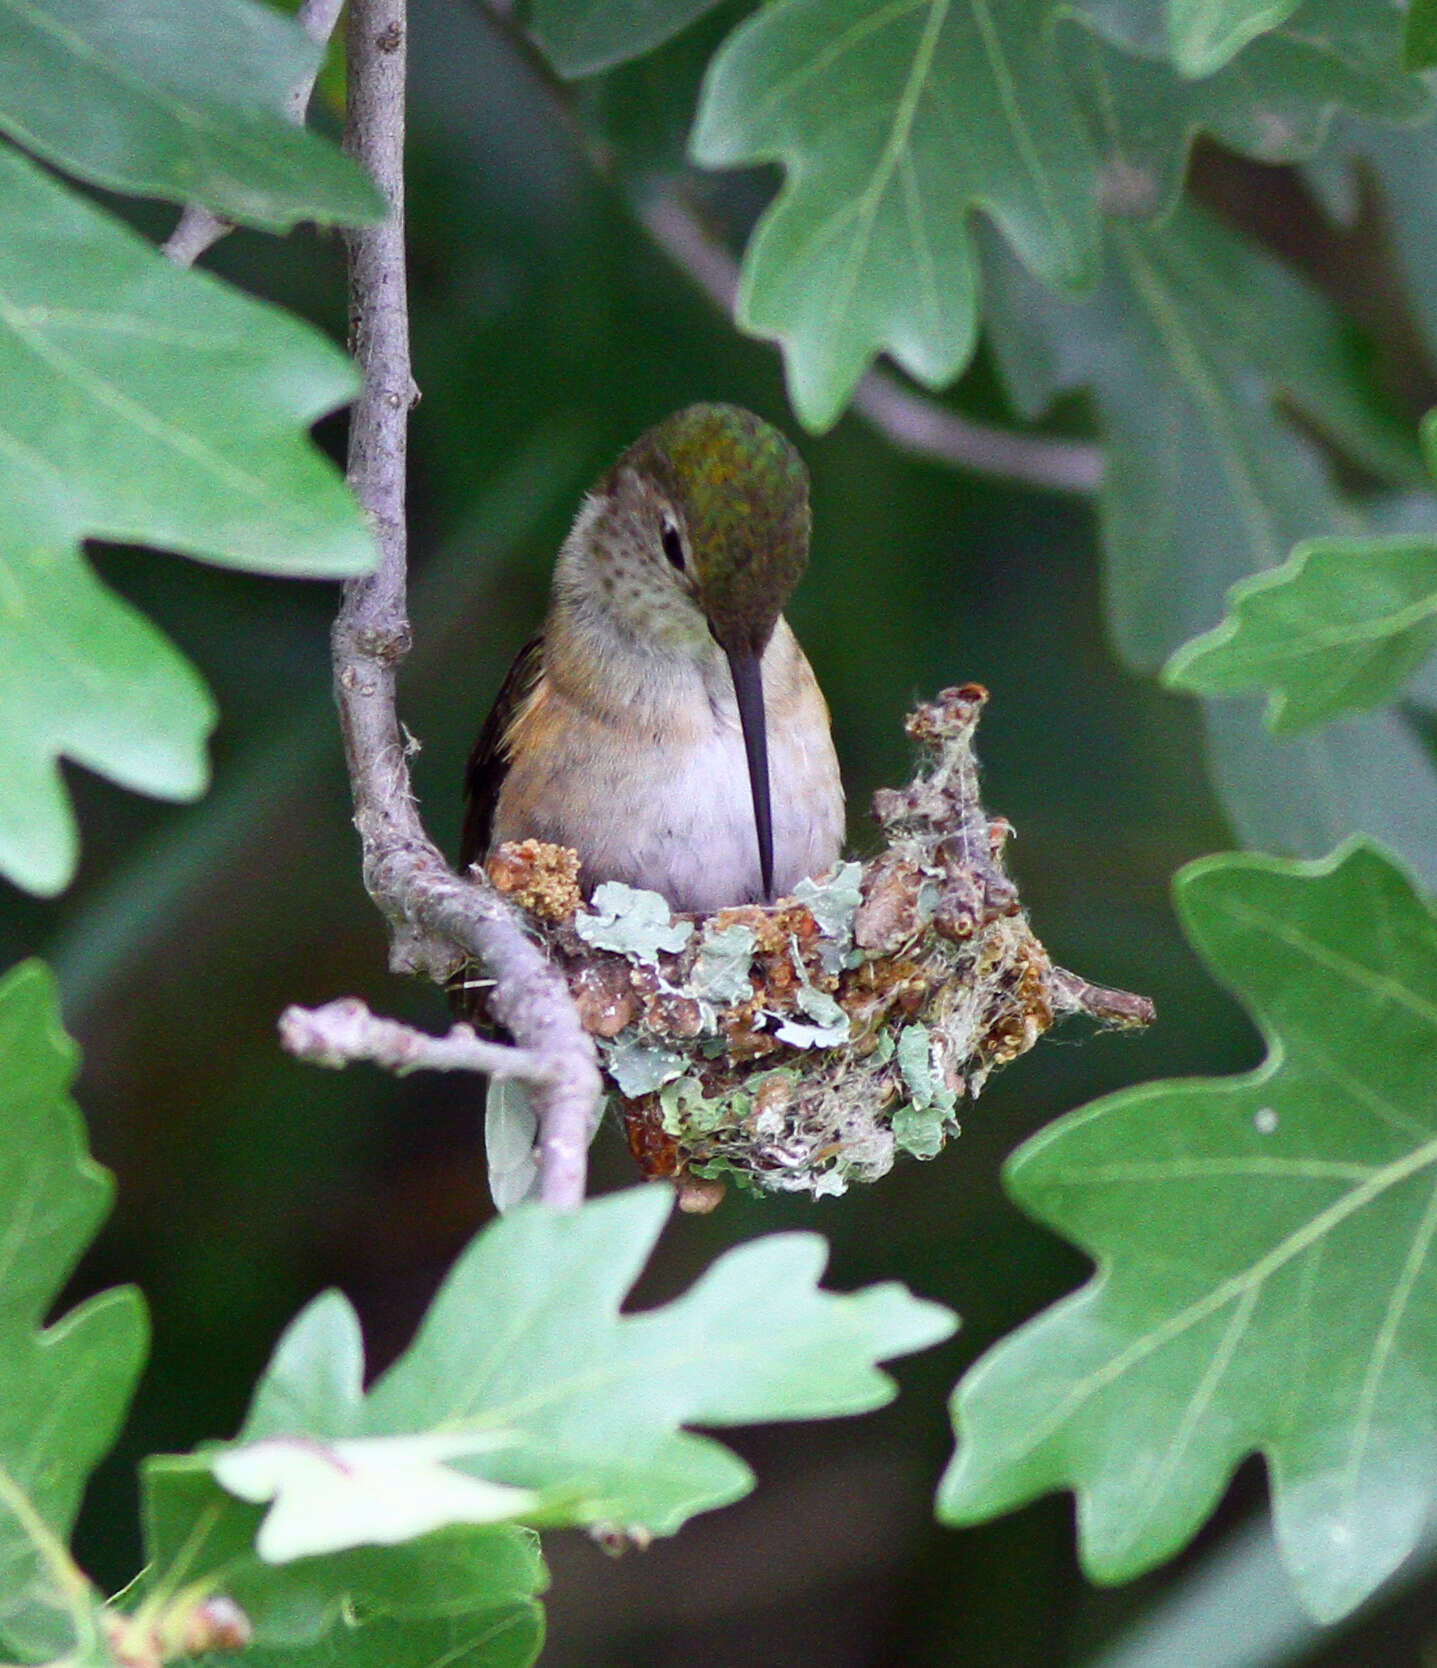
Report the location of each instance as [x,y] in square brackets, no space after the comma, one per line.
[664,723]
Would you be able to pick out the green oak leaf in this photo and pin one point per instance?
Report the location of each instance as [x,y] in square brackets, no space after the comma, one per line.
[511,1638]
[599,1397]
[365,1490]
[893,122]
[1264,1246]
[525,1340]
[1190,344]
[176,98]
[1339,627]
[1199,36]
[1274,101]
[1402,163]
[143,404]
[581,37]
[200,1538]
[1369,772]
[1420,39]
[66,1385]
[1204,34]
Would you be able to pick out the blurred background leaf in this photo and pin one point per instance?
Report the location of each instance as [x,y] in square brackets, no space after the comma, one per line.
[1204,34]
[580,37]
[1273,101]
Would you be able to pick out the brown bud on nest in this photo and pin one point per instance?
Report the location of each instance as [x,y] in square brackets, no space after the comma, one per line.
[803,1046]
[540,878]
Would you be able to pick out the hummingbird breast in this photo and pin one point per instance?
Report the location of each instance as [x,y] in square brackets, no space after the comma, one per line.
[640,768]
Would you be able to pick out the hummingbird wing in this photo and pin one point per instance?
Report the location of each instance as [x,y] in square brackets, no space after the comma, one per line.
[489,763]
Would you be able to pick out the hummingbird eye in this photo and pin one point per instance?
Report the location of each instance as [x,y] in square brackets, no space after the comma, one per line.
[673,544]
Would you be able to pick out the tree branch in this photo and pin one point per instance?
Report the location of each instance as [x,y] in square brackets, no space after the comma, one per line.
[197,229]
[909,421]
[437,920]
[345,1031]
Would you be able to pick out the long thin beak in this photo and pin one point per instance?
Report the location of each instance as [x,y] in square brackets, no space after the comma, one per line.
[748,689]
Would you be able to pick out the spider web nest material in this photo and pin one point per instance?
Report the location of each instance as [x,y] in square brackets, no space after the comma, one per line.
[803,1046]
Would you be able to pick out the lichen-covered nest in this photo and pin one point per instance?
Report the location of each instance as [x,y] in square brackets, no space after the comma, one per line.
[803,1046]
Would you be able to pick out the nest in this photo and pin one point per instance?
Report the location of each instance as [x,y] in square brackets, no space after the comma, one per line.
[804,1046]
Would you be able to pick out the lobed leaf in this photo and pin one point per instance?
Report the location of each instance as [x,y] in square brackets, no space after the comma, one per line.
[148,404]
[1274,101]
[199,1539]
[1339,627]
[1189,345]
[481,1580]
[176,98]
[68,1384]
[1204,34]
[525,1360]
[893,122]
[581,37]
[510,1638]
[1264,1247]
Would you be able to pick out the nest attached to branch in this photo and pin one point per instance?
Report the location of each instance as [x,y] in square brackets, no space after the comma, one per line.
[803,1046]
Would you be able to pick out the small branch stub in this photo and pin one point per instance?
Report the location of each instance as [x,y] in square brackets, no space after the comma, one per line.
[187,1626]
[345,1031]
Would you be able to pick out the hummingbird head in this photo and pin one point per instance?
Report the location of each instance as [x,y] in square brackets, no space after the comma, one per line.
[700,532]
[730,507]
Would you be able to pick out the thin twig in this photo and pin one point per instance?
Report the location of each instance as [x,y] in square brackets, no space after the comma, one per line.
[317,18]
[926,429]
[909,421]
[344,1031]
[437,919]
[197,229]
